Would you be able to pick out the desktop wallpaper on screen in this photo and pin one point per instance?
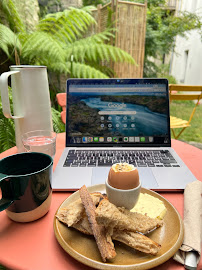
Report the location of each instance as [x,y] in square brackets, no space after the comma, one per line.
[116,115]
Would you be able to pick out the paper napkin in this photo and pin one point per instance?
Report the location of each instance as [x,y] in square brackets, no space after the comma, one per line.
[192,222]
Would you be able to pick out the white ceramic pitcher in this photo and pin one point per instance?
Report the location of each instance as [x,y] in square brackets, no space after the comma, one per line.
[31,99]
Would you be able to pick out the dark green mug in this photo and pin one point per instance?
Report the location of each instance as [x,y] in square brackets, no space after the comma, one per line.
[26,185]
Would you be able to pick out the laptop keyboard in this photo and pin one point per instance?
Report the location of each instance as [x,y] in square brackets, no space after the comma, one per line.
[139,158]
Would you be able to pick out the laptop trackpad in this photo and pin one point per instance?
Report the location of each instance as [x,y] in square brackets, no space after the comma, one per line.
[100,174]
[147,178]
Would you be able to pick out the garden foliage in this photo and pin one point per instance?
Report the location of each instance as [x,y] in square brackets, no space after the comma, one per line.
[60,41]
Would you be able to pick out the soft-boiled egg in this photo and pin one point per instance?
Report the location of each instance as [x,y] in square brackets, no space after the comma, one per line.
[123,176]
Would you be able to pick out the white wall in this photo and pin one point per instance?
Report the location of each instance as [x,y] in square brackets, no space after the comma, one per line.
[186,62]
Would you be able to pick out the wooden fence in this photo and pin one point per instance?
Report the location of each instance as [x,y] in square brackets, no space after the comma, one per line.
[130,23]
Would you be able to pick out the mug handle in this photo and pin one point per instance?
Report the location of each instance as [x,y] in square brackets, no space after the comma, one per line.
[4,203]
[4,94]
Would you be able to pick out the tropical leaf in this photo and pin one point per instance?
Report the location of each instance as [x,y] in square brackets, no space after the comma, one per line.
[13,18]
[7,127]
[59,67]
[82,15]
[102,36]
[84,51]
[7,134]
[58,125]
[104,68]
[41,46]
[64,34]
[88,8]
[84,71]
[68,25]
[8,40]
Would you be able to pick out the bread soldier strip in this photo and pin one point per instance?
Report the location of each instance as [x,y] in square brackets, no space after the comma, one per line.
[103,240]
[109,215]
[137,241]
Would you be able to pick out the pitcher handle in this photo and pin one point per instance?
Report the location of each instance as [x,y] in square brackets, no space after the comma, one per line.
[4,94]
[4,203]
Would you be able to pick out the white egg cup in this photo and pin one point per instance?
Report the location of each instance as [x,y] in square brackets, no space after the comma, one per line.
[123,197]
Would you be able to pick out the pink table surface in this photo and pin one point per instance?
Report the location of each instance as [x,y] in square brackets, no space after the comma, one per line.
[33,246]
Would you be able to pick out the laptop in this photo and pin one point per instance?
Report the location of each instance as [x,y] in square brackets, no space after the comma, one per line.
[119,120]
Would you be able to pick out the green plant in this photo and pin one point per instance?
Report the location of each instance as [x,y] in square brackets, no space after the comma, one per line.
[161,30]
[93,2]
[162,27]
[58,125]
[60,43]
[162,71]
[7,134]
[7,127]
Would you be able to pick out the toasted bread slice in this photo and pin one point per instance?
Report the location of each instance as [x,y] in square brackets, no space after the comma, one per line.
[83,226]
[103,240]
[74,211]
[109,215]
[144,223]
[137,241]
[134,240]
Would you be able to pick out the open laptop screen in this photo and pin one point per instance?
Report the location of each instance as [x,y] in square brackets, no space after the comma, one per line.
[112,112]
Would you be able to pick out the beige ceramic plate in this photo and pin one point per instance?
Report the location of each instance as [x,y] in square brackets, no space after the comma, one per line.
[83,248]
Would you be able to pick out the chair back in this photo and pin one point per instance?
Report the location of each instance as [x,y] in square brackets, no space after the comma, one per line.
[185,92]
[61,99]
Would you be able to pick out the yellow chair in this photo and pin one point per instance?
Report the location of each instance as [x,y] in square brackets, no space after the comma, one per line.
[183,92]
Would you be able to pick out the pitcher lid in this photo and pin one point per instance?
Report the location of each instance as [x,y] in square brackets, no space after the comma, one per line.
[27,66]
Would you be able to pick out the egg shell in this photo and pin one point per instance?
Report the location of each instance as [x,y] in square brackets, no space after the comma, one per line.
[123,179]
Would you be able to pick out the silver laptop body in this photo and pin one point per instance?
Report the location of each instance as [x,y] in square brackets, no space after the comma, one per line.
[119,120]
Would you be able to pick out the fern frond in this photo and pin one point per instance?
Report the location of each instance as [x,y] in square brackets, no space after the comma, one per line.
[82,16]
[57,29]
[42,46]
[63,33]
[7,127]
[58,125]
[121,55]
[95,52]
[85,71]
[107,70]
[7,134]
[105,53]
[22,36]
[8,39]
[88,9]
[13,17]
[68,25]
[102,36]
[58,67]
